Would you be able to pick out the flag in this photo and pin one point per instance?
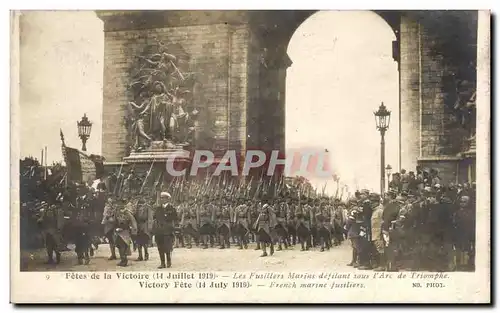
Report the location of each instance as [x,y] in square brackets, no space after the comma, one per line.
[80,166]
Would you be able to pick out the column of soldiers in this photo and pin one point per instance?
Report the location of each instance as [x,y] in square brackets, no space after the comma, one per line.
[417,225]
[220,222]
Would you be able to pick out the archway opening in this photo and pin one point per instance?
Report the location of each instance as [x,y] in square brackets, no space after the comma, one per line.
[342,70]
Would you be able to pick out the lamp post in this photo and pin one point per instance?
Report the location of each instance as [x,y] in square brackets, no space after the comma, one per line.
[382,120]
[388,171]
[84,128]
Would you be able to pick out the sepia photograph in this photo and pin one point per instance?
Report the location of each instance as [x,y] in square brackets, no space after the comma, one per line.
[292,147]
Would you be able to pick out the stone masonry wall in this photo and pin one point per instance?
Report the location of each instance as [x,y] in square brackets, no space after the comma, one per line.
[433,133]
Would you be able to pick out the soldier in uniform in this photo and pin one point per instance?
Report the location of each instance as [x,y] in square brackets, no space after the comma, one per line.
[189,223]
[337,222]
[291,221]
[281,227]
[82,236]
[131,206]
[205,217]
[125,228]
[323,225]
[254,214]
[164,220]
[179,234]
[265,223]
[223,217]
[51,222]
[303,226]
[144,218]
[108,220]
[241,224]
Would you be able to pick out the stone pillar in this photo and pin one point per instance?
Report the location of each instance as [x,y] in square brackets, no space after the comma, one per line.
[409,88]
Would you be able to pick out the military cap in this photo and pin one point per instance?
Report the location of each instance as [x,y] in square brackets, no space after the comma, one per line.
[365,191]
[374,197]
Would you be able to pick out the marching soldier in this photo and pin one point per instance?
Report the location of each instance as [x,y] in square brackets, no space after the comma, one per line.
[179,234]
[281,226]
[108,220]
[52,222]
[303,226]
[82,236]
[223,218]
[205,217]
[126,227]
[241,224]
[323,227]
[254,214]
[144,218]
[337,222]
[291,221]
[265,223]
[189,223]
[164,220]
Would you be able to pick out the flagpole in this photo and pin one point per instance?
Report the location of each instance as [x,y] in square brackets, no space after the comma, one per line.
[41,161]
[45,171]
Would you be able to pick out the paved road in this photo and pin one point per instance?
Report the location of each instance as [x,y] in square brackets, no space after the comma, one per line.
[197,259]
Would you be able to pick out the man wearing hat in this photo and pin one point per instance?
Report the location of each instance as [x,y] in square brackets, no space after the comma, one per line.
[302,213]
[206,216]
[51,221]
[281,210]
[353,227]
[376,233]
[324,225]
[223,217]
[125,228]
[241,220]
[164,221]
[189,222]
[291,220]
[266,221]
[108,220]
[144,218]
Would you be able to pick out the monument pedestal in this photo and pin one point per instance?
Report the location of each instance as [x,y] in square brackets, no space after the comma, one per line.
[156,158]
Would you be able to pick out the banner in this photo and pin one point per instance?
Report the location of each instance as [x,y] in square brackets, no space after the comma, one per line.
[81,167]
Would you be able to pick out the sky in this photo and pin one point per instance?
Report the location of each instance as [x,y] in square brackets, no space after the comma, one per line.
[61,79]
[342,70]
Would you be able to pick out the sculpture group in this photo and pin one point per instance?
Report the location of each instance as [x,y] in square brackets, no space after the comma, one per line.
[162,88]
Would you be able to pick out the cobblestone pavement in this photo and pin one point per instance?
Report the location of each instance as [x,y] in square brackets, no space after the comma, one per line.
[197,259]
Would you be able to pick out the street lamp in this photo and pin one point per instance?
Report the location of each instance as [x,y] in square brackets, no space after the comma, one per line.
[382,120]
[84,128]
[388,171]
